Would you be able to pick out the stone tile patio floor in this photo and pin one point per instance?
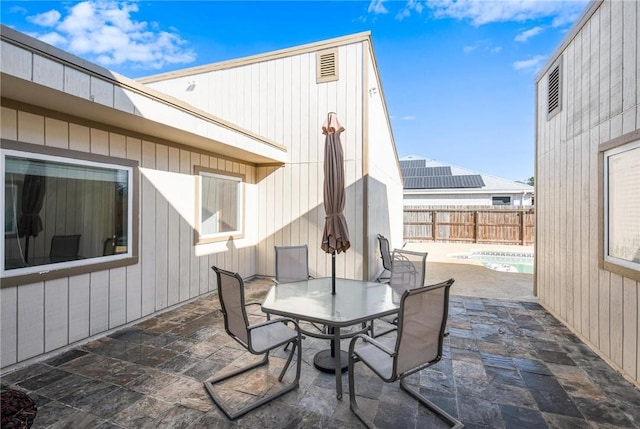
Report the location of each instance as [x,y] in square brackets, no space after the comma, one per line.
[506,364]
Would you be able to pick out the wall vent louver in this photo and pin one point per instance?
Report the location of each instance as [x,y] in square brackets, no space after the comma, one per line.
[327,65]
[553,90]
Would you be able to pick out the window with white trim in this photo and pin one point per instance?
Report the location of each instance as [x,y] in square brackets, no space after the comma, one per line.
[501,200]
[62,212]
[621,206]
[221,198]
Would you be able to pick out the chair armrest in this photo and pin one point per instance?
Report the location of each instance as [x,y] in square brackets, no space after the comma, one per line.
[368,339]
[272,321]
[252,303]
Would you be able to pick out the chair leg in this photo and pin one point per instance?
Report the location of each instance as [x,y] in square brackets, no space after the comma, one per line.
[289,358]
[353,404]
[442,414]
[209,384]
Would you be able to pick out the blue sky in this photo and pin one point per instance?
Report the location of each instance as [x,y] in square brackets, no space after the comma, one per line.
[458,75]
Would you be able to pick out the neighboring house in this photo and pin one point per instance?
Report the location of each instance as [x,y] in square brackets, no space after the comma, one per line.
[588,182]
[431,183]
[152,182]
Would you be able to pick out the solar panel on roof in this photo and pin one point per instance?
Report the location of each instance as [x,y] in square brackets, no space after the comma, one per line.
[412,163]
[444,182]
[426,171]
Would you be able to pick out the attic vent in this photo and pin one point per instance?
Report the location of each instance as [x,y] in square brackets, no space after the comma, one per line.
[327,65]
[554,90]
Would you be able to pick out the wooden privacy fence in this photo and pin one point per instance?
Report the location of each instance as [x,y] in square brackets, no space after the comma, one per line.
[500,226]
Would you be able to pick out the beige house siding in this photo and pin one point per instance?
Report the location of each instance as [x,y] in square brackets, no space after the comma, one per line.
[600,102]
[51,99]
[44,316]
[277,96]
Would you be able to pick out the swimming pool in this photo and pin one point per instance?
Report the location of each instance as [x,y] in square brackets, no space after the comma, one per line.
[512,262]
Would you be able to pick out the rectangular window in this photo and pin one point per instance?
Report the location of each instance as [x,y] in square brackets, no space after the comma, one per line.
[221,206]
[62,213]
[501,201]
[621,208]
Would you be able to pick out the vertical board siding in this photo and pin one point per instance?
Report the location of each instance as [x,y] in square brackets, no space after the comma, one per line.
[8,325]
[600,102]
[280,100]
[56,308]
[42,317]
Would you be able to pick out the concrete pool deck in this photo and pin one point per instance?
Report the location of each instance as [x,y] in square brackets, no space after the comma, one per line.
[472,278]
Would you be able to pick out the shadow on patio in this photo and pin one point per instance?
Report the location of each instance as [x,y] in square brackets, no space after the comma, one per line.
[507,364]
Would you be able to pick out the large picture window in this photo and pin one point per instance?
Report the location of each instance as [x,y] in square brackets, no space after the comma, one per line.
[63,212]
[221,206]
[621,208]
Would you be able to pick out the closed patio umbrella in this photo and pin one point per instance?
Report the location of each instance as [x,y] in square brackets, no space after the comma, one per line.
[335,238]
[30,224]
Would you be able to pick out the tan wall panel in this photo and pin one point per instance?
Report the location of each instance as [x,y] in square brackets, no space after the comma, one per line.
[30,128]
[600,102]
[79,307]
[99,302]
[30,332]
[56,310]
[8,325]
[9,124]
[117,297]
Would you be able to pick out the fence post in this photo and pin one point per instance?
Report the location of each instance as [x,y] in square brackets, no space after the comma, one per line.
[434,226]
[476,227]
[522,227]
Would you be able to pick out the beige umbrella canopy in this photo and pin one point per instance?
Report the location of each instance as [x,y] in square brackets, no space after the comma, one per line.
[335,238]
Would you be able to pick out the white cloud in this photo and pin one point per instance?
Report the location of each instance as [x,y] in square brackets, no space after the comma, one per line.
[531,64]
[482,45]
[481,12]
[105,32]
[47,19]
[408,118]
[377,7]
[527,34]
[53,38]
[411,6]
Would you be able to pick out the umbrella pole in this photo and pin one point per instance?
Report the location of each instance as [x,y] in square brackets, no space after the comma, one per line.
[333,272]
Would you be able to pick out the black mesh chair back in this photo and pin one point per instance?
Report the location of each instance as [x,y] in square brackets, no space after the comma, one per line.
[385,252]
[65,246]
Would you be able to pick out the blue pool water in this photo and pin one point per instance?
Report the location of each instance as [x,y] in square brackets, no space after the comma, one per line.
[512,262]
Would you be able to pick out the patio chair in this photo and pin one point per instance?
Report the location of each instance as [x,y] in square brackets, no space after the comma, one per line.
[385,254]
[258,339]
[408,270]
[292,263]
[418,345]
[64,247]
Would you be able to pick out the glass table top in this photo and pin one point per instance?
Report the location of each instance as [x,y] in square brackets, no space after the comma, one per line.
[355,301]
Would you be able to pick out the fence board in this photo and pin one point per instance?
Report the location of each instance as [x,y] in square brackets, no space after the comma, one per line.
[482,224]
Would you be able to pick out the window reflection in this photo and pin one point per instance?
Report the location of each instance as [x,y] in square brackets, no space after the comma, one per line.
[59,210]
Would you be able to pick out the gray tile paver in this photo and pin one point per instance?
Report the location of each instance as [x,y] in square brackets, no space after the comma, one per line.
[506,364]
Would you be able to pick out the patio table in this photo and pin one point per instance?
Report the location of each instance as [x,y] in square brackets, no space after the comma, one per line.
[311,300]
